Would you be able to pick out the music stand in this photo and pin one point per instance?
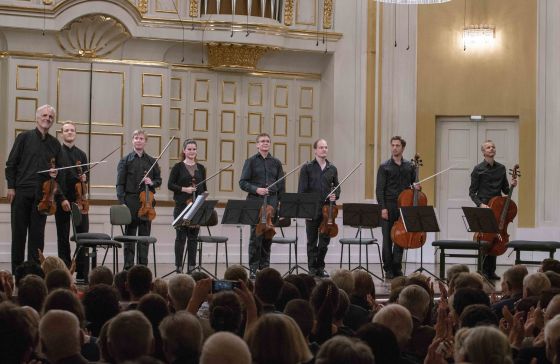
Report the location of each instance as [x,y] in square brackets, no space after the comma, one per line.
[480,220]
[241,212]
[420,219]
[362,215]
[299,205]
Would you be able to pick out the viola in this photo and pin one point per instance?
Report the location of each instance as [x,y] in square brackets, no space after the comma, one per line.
[147,211]
[265,226]
[81,189]
[410,197]
[47,205]
[328,227]
[504,210]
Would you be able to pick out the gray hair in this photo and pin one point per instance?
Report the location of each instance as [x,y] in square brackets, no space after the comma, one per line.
[180,289]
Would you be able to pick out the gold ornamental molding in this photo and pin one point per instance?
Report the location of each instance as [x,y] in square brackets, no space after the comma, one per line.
[193,8]
[289,12]
[327,14]
[142,6]
[232,56]
[92,36]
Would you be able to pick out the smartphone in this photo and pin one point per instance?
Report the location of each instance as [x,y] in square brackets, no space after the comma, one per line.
[224,285]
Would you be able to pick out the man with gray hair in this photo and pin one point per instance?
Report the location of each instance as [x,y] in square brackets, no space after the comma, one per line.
[225,348]
[417,301]
[397,319]
[61,337]
[33,151]
[534,284]
[181,336]
[180,289]
[129,336]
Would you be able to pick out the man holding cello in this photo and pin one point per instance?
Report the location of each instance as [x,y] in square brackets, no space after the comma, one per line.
[131,181]
[489,179]
[318,176]
[260,171]
[393,176]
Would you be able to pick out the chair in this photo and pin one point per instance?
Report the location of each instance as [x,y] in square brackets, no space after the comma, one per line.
[120,216]
[93,241]
[212,221]
[359,241]
[282,240]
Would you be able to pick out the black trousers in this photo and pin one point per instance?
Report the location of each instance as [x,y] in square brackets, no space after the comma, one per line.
[317,245]
[62,219]
[489,264]
[392,253]
[26,220]
[137,226]
[183,235]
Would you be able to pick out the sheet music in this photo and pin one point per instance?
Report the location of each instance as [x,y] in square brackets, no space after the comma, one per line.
[188,212]
[180,216]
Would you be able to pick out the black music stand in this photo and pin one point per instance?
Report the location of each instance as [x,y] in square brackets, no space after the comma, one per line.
[241,212]
[362,215]
[480,220]
[420,219]
[299,205]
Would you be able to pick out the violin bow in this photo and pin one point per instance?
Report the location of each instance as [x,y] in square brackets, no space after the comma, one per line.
[214,175]
[74,166]
[103,160]
[344,179]
[432,176]
[157,159]
[286,175]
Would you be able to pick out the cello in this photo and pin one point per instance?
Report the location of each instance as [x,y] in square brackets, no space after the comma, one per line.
[504,210]
[410,197]
[47,205]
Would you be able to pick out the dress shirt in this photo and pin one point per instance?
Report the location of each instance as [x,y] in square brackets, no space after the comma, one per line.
[487,181]
[259,172]
[392,179]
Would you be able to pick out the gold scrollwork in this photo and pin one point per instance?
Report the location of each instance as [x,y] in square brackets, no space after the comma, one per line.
[327,13]
[193,8]
[142,6]
[235,56]
[288,12]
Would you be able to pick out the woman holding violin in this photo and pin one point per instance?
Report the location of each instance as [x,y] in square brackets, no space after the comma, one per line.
[131,181]
[320,176]
[186,180]
[393,176]
[260,171]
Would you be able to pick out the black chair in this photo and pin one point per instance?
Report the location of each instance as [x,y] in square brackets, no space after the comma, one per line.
[93,241]
[120,216]
[464,245]
[217,240]
[532,246]
[282,223]
[360,241]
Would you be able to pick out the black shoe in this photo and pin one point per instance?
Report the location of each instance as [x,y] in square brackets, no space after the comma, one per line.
[321,273]
[398,273]
[252,274]
[389,275]
[492,276]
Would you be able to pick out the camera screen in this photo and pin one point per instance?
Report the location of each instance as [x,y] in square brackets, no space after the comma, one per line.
[223,285]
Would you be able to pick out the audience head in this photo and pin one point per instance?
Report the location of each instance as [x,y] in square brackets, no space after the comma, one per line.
[287,293]
[363,284]
[552,339]
[324,300]
[236,272]
[554,279]
[382,342]
[487,345]
[416,300]
[129,336]
[199,275]
[466,280]
[60,335]
[154,307]
[302,313]
[299,282]
[309,281]
[550,264]
[18,334]
[534,284]
[28,267]
[32,292]
[476,315]
[341,350]
[342,307]
[63,299]
[553,308]
[513,279]
[225,348]
[181,336]
[456,269]
[58,278]
[398,319]
[104,354]
[161,288]
[53,263]
[101,303]
[276,339]
[120,285]
[225,312]
[344,280]
[139,281]
[100,275]
[180,289]
[468,296]
[268,285]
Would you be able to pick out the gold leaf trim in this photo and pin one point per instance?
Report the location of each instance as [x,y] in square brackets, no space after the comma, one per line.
[289,12]
[235,56]
[327,14]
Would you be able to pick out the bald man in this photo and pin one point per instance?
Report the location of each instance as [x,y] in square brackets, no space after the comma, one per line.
[61,337]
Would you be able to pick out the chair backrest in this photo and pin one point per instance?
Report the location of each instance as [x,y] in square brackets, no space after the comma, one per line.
[120,215]
[283,222]
[76,217]
[212,220]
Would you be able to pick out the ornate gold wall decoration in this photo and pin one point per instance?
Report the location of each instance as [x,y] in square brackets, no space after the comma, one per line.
[327,14]
[193,8]
[47,2]
[92,36]
[288,12]
[142,6]
[236,56]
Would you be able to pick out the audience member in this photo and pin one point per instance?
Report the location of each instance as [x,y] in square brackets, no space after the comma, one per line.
[301,311]
[478,315]
[225,348]
[154,307]
[225,312]
[299,282]
[101,303]
[138,283]
[180,289]
[58,278]
[100,275]
[344,280]
[464,297]
[552,339]
[382,342]
[512,289]
[417,301]
[287,293]
[340,313]
[550,264]
[25,268]
[32,292]
[364,290]
[53,263]
[129,336]
[63,299]
[236,272]
[61,337]
[342,350]
[534,284]
[268,285]
[398,320]
[18,334]
[181,336]
[455,269]
[120,285]
[487,345]
[324,300]
[161,288]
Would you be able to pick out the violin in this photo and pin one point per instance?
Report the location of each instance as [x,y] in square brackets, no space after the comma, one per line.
[265,226]
[330,211]
[47,205]
[147,212]
[193,196]
[81,189]
[410,197]
[504,210]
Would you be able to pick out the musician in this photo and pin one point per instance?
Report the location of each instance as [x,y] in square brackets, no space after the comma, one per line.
[183,178]
[318,176]
[130,182]
[393,176]
[259,171]
[32,152]
[70,156]
[488,179]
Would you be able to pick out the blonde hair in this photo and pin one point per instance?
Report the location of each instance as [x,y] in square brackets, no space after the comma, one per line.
[397,319]
[344,280]
[138,132]
[68,122]
[487,345]
[487,141]
[53,263]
